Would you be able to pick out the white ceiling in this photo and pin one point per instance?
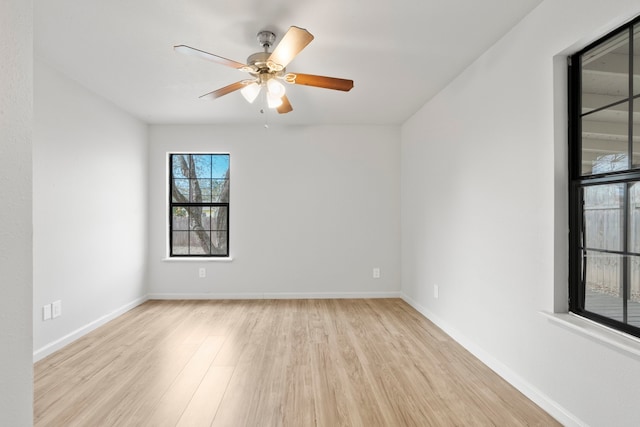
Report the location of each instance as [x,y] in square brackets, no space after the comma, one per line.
[398,52]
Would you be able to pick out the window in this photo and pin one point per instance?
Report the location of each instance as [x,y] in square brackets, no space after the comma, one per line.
[199,205]
[604,180]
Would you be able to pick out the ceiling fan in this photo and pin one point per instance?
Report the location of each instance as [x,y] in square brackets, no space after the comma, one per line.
[268,69]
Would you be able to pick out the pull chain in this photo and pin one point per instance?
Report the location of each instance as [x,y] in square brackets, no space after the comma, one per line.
[264,110]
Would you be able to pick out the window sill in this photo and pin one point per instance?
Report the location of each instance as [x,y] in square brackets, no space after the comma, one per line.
[197,259]
[616,340]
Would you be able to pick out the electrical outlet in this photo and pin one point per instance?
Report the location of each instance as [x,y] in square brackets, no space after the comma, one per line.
[202,272]
[376,273]
[46,312]
[56,309]
[436,291]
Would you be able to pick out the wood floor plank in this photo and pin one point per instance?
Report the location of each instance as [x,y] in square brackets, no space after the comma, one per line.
[205,402]
[273,363]
[173,403]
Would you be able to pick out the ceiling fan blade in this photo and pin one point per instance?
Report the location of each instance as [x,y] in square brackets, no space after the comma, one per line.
[291,44]
[286,106]
[223,91]
[324,82]
[188,50]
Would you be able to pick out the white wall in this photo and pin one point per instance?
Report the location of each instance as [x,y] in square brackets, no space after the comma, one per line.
[483,216]
[313,210]
[90,209]
[16,114]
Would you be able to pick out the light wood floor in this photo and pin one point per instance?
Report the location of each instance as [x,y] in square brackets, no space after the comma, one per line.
[273,363]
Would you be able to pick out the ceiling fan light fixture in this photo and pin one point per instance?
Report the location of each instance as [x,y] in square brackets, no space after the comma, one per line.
[273,101]
[275,88]
[251,92]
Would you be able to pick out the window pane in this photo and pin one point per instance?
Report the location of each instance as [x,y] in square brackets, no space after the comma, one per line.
[180,166]
[206,188]
[180,218]
[219,242]
[180,190]
[201,166]
[220,190]
[200,190]
[603,285]
[197,218]
[605,73]
[605,140]
[219,218]
[604,217]
[220,166]
[180,243]
[199,243]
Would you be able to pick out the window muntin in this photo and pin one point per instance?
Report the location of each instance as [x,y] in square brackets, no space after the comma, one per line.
[199,205]
[604,211]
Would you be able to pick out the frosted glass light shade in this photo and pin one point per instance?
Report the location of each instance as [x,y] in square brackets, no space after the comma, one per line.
[273,101]
[275,88]
[250,92]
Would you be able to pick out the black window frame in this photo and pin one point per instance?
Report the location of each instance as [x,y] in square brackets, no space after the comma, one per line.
[208,204]
[579,181]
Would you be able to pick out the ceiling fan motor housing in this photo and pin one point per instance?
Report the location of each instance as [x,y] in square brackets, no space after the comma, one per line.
[259,59]
[263,68]
[266,39]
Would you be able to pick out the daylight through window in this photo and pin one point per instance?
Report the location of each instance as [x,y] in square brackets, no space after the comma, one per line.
[199,205]
[604,169]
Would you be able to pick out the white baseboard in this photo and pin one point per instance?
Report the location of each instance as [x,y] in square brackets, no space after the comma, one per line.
[277,295]
[56,345]
[537,396]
